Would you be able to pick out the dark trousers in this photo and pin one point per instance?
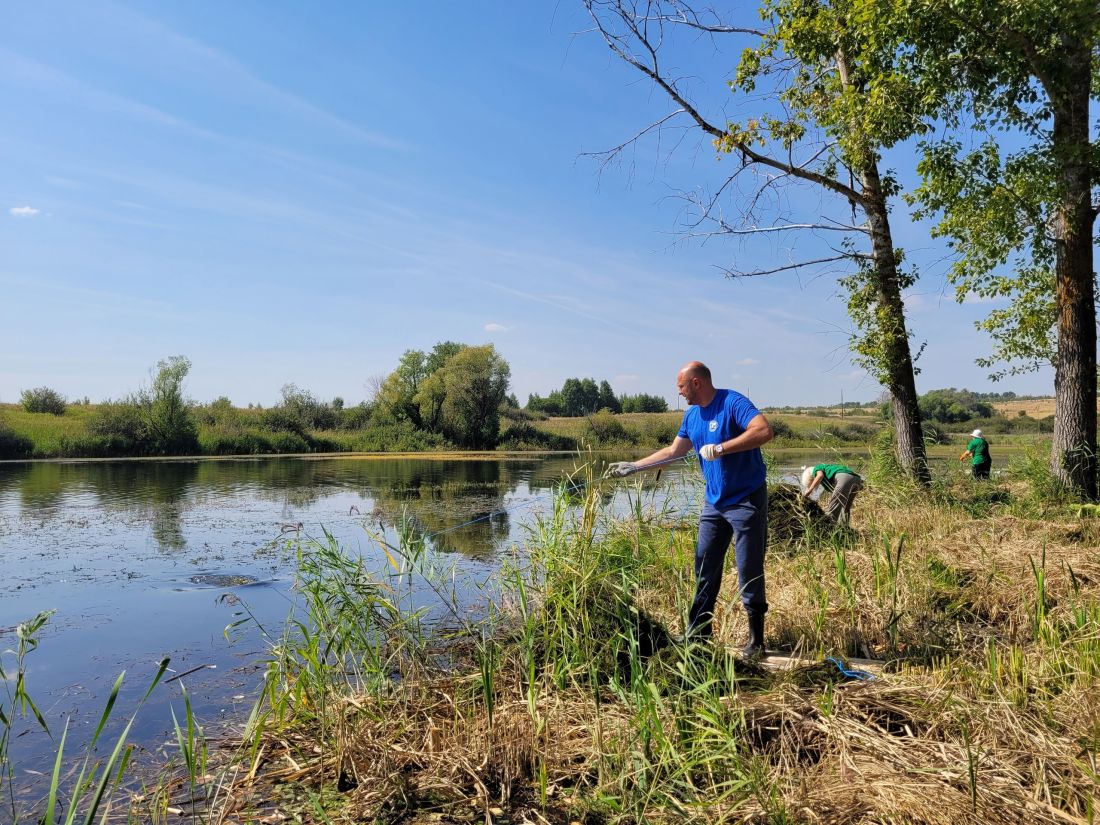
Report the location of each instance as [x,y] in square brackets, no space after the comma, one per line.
[747,523]
[981,470]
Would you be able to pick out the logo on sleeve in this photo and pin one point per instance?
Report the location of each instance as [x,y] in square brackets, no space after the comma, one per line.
[713,427]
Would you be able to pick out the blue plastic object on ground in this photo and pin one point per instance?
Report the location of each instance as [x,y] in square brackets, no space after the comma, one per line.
[851,673]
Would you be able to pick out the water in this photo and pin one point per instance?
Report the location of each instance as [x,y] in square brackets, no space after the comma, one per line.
[143,560]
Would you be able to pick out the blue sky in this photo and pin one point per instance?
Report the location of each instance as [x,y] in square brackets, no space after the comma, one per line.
[299,193]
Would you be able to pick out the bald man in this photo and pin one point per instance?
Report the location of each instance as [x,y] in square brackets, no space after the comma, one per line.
[726,430]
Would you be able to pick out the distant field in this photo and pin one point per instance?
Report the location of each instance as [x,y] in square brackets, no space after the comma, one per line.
[577,427]
[1034,407]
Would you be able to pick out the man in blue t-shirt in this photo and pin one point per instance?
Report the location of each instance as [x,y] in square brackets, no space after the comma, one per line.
[726,430]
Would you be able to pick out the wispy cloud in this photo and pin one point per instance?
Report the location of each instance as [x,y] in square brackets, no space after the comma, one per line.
[747,362]
[23,211]
[495,328]
[53,81]
[626,378]
[234,75]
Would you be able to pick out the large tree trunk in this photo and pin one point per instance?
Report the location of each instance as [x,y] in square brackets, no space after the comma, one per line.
[1073,456]
[894,337]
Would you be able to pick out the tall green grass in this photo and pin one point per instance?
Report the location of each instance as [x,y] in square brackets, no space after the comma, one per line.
[84,788]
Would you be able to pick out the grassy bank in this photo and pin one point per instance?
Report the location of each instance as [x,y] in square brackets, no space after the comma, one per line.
[981,603]
[81,432]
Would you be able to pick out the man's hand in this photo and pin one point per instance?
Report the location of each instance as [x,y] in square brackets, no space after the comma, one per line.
[709,452]
[622,469]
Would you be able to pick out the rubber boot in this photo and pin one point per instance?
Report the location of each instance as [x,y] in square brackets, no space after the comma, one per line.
[755,647]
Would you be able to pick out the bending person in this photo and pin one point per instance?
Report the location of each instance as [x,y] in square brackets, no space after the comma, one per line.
[726,430]
[842,483]
[978,453]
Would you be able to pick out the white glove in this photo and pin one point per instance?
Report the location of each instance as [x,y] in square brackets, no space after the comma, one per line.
[709,452]
[621,469]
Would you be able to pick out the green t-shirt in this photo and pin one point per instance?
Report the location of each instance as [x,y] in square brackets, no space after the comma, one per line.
[979,449]
[830,471]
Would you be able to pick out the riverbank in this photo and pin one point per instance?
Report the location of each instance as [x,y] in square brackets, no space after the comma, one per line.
[75,435]
[980,601]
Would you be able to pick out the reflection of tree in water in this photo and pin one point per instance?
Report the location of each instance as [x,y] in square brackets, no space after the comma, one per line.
[460,503]
[439,495]
[43,486]
[292,482]
[149,490]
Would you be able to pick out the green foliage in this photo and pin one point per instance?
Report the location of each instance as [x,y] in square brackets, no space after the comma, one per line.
[578,397]
[167,425]
[396,437]
[474,384]
[43,400]
[311,412]
[781,429]
[14,445]
[355,418]
[117,425]
[523,436]
[949,406]
[643,403]
[282,420]
[606,399]
[603,429]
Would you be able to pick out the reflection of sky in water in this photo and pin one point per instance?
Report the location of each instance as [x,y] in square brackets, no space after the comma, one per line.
[123,550]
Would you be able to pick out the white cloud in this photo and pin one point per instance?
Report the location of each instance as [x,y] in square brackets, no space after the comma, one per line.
[626,378]
[23,211]
[747,362]
[495,328]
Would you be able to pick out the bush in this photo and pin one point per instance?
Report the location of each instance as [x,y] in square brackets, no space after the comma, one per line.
[43,400]
[399,437]
[218,412]
[933,433]
[851,433]
[96,446]
[311,412]
[950,406]
[14,445]
[603,429]
[282,420]
[118,424]
[525,437]
[355,418]
[289,443]
[780,429]
[658,432]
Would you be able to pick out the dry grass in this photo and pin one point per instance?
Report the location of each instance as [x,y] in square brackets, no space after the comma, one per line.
[988,710]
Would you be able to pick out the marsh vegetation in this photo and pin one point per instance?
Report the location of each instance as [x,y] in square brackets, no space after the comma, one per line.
[980,603]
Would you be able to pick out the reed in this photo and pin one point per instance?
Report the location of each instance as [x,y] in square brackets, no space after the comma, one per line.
[567,699]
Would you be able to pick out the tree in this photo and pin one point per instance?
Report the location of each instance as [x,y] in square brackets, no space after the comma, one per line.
[607,399]
[394,400]
[643,403]
[951,406]
[1030,68]
[551,405]
[43,400]
[841,104]
[580,396]
[167,427]
[474,383]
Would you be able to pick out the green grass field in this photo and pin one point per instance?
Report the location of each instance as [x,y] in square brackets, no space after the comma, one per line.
[822,428]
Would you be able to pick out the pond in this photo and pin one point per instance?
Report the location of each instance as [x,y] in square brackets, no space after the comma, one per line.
[142,560]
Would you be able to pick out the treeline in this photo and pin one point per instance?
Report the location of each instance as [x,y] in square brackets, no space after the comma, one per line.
[450,397]
[583,396]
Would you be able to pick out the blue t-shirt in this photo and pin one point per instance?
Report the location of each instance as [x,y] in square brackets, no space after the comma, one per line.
[733,477]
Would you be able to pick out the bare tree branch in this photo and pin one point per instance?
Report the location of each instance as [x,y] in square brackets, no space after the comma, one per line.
[607,155]
[726,229]
[734,273]
[638,28]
